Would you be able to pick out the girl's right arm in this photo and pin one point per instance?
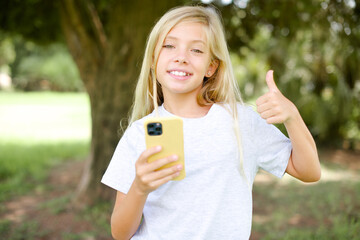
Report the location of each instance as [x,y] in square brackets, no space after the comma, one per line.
[127,213]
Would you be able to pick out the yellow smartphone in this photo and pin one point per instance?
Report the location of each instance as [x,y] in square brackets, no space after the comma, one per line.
[168,133]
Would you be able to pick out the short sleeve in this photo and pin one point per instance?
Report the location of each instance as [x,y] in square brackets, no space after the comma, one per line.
[273,148]
[121,170]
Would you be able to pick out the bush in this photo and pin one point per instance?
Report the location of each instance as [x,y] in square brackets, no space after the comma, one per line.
[48,68]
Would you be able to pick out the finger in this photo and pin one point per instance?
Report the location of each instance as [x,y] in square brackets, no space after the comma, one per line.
[148,152]
[261,100]
[264,107]
[161,181]
[270,81]
[267,114]
[274,120]
[161,162]
[163,173]
[269,100]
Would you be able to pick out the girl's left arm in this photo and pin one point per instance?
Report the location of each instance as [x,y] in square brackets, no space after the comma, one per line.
[276,108]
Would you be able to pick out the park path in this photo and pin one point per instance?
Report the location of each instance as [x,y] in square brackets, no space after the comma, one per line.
[337,165]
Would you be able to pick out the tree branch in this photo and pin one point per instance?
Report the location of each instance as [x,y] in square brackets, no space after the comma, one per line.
[81,43]
[78,26]
[97,25]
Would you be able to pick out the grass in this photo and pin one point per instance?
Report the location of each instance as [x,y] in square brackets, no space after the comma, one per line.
[44,117]
[325,210]
[27,230]
[38,131]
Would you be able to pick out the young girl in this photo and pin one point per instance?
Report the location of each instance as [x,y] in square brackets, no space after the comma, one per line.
[187,73]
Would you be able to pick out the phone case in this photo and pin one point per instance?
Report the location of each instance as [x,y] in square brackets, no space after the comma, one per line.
[169,135]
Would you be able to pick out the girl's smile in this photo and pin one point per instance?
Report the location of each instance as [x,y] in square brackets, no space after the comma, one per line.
[180,74]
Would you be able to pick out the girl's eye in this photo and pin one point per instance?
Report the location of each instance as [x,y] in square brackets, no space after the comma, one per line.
[197,51]
[168,46]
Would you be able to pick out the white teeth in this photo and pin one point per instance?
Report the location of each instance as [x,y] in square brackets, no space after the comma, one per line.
[177,73]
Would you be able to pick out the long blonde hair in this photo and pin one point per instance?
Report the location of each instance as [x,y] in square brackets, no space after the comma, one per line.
[221,87]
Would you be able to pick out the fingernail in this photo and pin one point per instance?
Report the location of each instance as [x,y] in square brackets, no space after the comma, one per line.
[174,157]
[179,167]
[158,148]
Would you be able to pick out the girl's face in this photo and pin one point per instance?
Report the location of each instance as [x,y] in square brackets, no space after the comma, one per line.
[184,60]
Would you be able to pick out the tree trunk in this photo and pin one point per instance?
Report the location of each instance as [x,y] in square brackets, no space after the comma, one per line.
[109,58]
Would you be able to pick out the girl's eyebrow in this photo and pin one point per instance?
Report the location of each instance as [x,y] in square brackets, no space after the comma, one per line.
[192,41]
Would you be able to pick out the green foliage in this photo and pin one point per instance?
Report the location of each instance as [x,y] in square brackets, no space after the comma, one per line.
[36,67]
[313,48]
[7,53]
[46,68]
[34,19]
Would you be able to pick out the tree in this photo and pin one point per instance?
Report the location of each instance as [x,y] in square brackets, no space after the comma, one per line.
[106,40]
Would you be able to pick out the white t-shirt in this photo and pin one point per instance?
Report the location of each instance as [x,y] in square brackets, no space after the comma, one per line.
[213,201]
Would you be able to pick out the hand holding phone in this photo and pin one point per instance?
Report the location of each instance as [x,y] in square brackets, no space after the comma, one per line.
[148,177]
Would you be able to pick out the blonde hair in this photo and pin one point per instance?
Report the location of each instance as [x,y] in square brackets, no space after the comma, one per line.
[221,87]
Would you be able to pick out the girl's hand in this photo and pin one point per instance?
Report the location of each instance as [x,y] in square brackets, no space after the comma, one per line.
[273,106]
[148,178]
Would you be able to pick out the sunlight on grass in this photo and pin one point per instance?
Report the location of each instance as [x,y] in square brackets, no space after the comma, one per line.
[327,175]
[33,117]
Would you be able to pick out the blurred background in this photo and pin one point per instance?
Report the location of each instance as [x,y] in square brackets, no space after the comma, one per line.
[67,73]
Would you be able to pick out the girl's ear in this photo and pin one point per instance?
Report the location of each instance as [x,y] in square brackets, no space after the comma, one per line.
[212,68]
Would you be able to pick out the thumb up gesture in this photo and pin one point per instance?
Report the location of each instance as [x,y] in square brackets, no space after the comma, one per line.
[273,106]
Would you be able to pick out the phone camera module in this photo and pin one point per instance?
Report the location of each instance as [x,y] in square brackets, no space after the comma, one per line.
[154,129]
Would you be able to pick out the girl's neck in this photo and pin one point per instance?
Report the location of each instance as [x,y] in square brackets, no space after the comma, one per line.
[186,108]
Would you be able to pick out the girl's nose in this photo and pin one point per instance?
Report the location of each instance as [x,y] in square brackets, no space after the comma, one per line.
[181,57]
[181,60]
